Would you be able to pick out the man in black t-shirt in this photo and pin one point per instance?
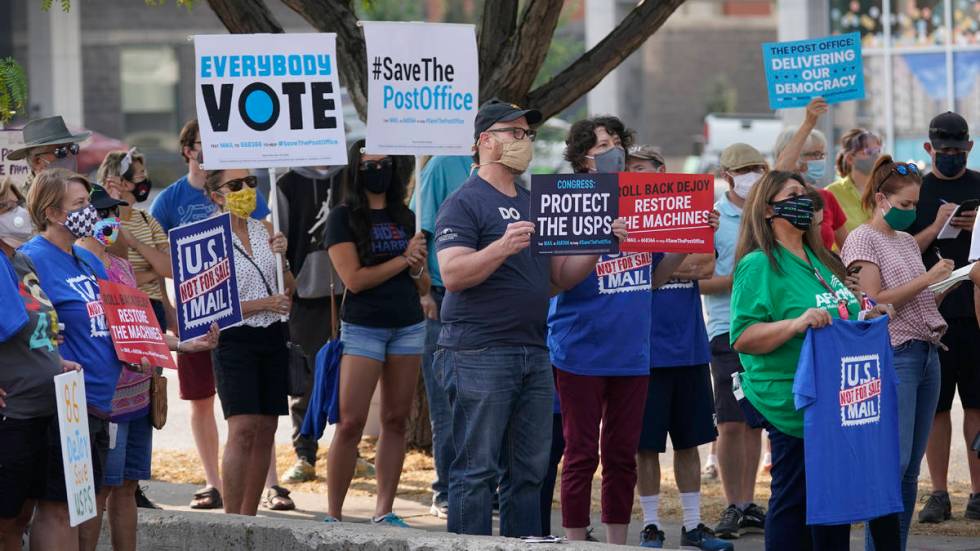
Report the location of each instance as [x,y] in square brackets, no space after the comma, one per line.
[949,185]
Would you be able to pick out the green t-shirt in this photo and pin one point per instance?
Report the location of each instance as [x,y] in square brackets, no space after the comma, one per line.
[761,294]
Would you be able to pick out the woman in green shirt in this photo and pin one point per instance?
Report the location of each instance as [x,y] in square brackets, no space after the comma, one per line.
[785,282]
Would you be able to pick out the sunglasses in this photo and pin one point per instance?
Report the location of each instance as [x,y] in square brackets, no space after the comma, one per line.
[238,183]
[376,165]
[108,213]
[902,169]
[62,151]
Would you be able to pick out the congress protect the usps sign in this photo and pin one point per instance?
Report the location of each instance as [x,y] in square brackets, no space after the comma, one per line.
[423,86]
[203,260]
[269,100]
[799,71]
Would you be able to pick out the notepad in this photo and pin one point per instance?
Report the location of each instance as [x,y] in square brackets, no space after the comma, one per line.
[957,276]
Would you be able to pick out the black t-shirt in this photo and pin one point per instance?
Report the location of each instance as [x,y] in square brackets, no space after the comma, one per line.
[394,303]
[305,196]
[959,303]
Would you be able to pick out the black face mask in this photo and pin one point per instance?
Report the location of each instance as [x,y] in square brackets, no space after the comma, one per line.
[142,190]
[798,211]
[376,179]
[950,164]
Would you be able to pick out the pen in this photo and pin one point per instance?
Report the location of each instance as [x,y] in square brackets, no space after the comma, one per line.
[935,249]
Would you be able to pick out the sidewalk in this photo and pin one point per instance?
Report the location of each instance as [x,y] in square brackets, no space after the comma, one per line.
[360,508]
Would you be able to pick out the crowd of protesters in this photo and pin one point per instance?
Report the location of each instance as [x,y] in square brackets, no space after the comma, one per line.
[528,361]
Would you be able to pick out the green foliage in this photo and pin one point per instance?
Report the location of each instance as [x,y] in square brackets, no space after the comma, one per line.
[13,89]
[65,5]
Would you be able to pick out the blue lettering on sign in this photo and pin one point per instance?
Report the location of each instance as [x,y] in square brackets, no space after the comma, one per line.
[245,66]
[428,98]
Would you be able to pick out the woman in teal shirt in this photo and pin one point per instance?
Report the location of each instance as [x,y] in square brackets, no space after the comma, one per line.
[785,282]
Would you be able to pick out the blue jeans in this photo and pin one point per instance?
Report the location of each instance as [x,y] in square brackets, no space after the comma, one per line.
[440,415]
[502,403]
[917,369]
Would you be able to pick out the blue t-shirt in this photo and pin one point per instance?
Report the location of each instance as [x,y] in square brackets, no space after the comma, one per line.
[510,308]
[601,327]
[845,383]
[677,334]
[719,306]
[181,203]
[441,176]
[71,283]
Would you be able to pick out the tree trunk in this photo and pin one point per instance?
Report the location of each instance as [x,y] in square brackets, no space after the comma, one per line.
[245,16]
[418,432]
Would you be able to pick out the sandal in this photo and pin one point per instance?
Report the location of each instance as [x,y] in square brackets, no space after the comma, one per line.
[207,497]
[276,498]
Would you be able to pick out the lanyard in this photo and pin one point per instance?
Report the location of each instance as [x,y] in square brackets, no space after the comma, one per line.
[841,303]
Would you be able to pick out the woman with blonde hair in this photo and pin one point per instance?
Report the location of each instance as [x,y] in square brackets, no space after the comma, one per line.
[859,148]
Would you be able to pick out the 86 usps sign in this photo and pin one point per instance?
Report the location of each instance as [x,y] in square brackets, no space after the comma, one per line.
[269,100]
[76,446]
[423,87]
[203,260]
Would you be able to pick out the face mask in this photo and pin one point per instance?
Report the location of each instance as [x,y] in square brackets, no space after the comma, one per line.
[81,222]
[864,166]
[798,211]
[376,180]
[16,224]
[141,191]
[106,231]
[815,170]
[241,203]
[898,219]
[743,183]
[517,155]
[609,162]
[949,165]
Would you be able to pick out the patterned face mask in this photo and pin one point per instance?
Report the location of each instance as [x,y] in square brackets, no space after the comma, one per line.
[798,211]
[241,203]
[81,222]
[106,231]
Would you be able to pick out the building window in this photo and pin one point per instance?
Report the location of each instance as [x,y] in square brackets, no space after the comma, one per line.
[149,78]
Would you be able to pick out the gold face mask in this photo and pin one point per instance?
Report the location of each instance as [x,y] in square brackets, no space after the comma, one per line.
[516,155]
[241,203]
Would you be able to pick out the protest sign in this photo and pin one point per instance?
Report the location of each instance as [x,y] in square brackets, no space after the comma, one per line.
[76,446]
[667,213]
[16,170]
[573,213]
[423,87]
[203,259]
[134,327]
[799,71]
[269,100]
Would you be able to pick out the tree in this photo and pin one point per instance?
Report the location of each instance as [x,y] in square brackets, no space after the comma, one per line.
[513,43]
[13,89]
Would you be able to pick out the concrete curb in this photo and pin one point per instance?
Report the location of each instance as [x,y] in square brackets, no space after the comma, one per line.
[184,531]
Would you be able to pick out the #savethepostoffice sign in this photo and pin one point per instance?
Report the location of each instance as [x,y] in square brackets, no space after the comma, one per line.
[269,100]
[423,87]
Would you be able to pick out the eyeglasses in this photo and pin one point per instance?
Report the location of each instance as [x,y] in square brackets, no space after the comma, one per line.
[62,151]
[518,132]
[11,205]
[109,212]
[902,169]
[376,165]
[238,183]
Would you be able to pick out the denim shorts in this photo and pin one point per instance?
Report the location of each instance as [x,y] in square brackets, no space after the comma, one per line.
[378,342]
[130,459]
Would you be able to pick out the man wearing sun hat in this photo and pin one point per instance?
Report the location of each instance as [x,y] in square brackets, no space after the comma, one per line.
[48,144]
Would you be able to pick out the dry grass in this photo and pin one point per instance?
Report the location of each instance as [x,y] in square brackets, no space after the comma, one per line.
[184,467]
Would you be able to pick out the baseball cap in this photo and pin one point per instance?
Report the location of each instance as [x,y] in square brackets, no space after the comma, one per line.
[647,153]
[949,130]
[741,155]
[101,199]
[495,111]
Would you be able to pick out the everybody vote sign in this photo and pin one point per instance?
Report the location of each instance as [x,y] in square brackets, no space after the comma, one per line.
[269,100]
[573,213]
[203,259]
[134,327]
[799,71]
[423,86]
[667,213]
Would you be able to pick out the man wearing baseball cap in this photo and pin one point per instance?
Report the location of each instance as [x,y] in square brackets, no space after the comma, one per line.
[492,349]
[48,144]
[949,185]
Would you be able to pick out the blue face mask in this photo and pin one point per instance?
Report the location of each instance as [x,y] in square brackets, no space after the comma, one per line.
[816,170]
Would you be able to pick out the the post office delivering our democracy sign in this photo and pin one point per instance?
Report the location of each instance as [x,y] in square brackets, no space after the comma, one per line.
[269,100]
[423,86]
[799,71]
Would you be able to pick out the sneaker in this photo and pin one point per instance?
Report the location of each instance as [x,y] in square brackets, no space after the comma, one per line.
[753,520]
[652,537]
[973,507]
[142,501]
[729,525]
[709,472]
[330,520]
[301,471]
[937,509]
[703,538]
[390,519]
[439,509]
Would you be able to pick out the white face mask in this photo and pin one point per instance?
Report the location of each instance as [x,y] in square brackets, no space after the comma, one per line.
[744,182]
[16,224]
